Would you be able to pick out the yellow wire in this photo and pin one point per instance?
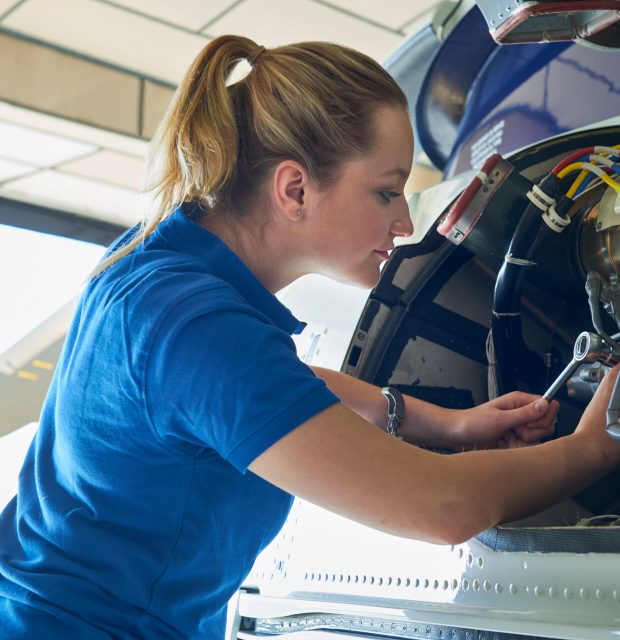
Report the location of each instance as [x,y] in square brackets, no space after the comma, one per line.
[583,174]
[581,177]
[571,167]
[573,189]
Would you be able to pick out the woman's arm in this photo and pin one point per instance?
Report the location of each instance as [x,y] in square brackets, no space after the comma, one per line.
[341,462]
[515,414]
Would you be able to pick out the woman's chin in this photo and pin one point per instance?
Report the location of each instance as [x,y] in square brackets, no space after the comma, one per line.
[364,280]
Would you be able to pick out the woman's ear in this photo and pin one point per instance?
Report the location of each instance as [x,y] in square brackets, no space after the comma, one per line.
[290,180]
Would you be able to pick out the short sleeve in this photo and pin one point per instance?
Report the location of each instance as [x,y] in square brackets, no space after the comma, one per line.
[226,378]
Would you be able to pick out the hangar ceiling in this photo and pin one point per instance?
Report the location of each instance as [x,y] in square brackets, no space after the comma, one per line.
[84,83]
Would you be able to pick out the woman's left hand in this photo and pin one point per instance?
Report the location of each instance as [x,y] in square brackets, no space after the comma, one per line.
[516,419]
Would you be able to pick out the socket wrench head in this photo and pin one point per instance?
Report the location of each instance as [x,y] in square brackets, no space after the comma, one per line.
[590,347]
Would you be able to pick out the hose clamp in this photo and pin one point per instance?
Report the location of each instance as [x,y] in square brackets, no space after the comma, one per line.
[554,220]
[539,198]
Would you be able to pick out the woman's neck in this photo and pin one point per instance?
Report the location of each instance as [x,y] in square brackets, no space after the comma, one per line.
[259,244]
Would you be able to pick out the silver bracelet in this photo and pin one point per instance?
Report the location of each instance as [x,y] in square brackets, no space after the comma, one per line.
[396,410]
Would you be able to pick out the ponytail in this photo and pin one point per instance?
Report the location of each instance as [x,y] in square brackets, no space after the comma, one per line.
[313,102]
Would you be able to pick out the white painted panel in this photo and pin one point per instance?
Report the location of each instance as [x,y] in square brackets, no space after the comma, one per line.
[7,5]
[37,147]
[109,34]
[108,166]
[79,195]
[11,169]
[391,13]
[417,24]
[331,310]
[74,130]
[275,22]
[42,276]
[189,14]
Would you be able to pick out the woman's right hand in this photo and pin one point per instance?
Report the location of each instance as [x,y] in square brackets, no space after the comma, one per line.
[593,421]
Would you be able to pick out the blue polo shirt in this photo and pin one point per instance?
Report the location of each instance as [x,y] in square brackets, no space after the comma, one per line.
[136,516]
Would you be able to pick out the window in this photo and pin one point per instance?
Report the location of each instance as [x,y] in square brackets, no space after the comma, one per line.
[39,275]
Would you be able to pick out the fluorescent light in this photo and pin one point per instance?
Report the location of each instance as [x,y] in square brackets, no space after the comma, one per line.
[37,147]
[11,169]
[73,130]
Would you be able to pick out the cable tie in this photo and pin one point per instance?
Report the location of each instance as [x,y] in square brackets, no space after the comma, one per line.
[539,198]
[497,314]
[554,220]
[521,262]
[482,176]
[608,162]
[588,166]
[603,149]
[535,201]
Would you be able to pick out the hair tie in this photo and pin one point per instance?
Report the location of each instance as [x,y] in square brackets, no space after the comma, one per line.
[254,57]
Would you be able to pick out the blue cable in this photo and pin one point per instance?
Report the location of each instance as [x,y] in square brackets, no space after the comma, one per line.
[615,168]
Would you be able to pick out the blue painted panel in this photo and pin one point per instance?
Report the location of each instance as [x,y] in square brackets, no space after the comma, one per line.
[526,93]
[478,97]
[443,94]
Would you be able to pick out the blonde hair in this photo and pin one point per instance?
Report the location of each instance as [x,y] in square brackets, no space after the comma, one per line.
[313,102]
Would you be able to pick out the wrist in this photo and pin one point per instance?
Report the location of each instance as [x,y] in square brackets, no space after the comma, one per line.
[429,425]
[597,446]
[454,428]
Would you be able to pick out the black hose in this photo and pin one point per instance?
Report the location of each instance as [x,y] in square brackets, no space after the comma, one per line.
[515,361]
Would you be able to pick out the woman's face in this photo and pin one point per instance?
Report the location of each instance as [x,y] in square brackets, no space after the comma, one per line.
[359,215]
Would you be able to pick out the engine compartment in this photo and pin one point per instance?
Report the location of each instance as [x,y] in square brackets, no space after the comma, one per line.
[445,323]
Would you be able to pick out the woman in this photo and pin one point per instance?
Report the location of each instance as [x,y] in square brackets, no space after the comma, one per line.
[180,421]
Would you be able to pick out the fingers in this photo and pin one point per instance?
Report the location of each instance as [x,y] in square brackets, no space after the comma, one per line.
[537,411]
[528,419]
[528,416]
[529,434]
[600,401]
[537,414]
[513,440]
[515,400]
[509,440]
[606,385]
[542,427]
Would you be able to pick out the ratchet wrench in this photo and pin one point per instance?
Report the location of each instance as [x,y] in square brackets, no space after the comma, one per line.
[589,347]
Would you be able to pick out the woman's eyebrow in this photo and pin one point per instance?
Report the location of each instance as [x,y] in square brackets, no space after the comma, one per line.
[402,172]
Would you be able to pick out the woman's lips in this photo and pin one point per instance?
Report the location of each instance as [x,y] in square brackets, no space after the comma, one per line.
[384,254]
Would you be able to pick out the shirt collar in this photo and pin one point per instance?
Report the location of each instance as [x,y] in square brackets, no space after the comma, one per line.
[187,236]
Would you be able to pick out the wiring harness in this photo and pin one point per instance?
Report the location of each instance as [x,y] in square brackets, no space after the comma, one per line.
[547,213]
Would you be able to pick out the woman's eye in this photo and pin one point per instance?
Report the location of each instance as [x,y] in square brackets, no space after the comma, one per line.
[388,195]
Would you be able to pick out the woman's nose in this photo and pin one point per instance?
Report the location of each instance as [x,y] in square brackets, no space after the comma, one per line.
[402,225]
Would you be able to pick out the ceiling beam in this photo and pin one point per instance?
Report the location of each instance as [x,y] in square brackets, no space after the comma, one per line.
[26,215]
